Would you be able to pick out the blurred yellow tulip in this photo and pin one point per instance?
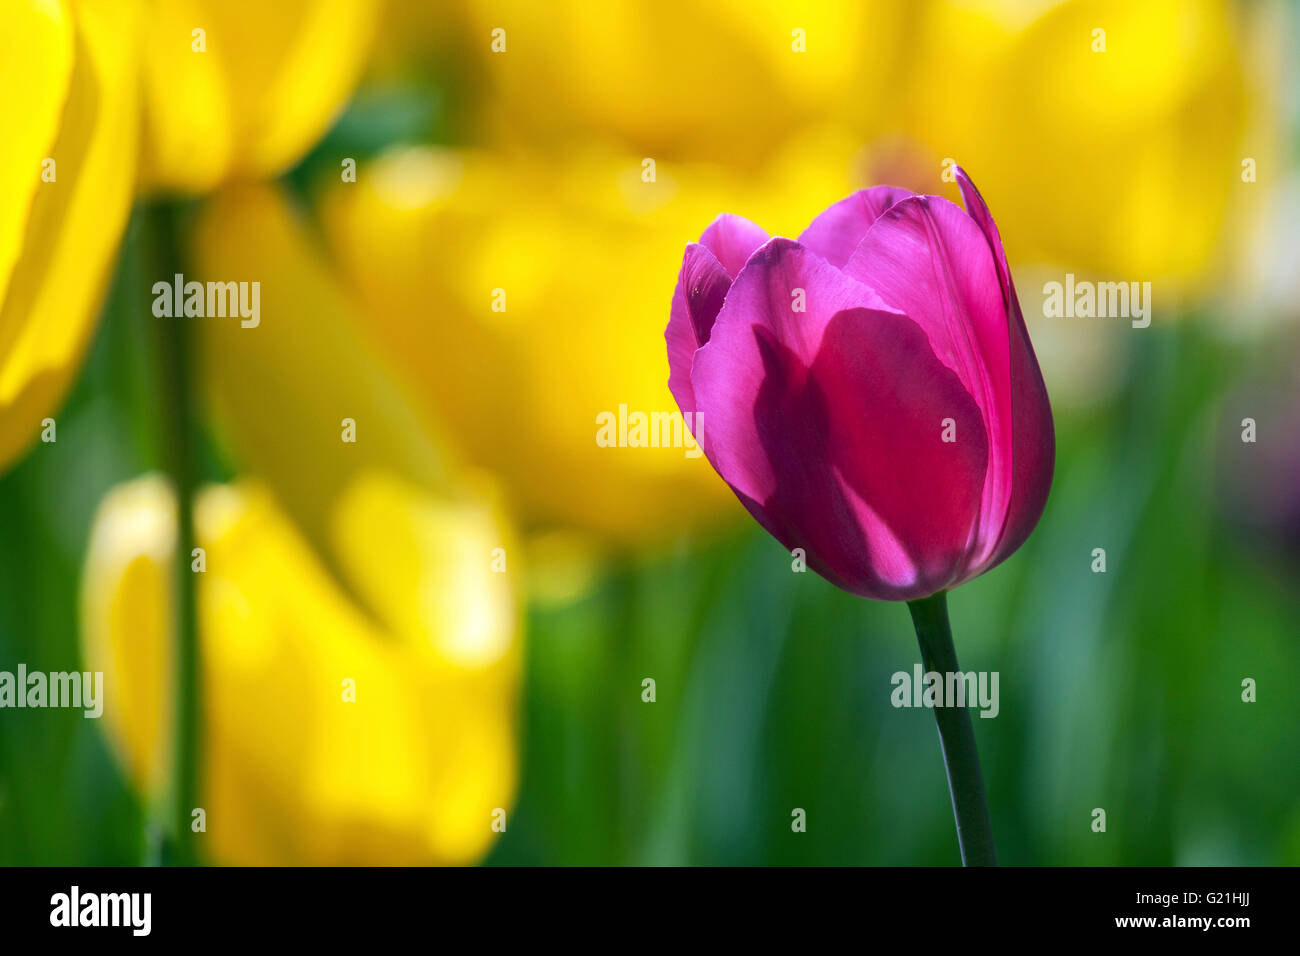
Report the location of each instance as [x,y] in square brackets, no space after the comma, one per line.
[681,79]
[527,300]
[68,122]
[281,392]
[339,729]
[237,88]
[376,561]
[1108,135]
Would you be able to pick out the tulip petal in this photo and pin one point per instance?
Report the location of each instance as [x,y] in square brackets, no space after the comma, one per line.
[733,240]
[1033,440]
[36,56]
[928,259]
[895,401]
[828,425]
[836,232]
[74,222]
[701,287]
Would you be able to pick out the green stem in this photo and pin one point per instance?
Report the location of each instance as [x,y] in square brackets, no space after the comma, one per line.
[956,735]
[174,354]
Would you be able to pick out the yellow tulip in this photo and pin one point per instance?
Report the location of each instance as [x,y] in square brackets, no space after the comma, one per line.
[361,720]
[1110,135]
[681,79]
[281,392]
[376,561]
[526,300]
[236,88]
[68,121]
[1107,134]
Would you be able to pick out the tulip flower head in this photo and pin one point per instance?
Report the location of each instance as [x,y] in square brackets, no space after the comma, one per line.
[869,391]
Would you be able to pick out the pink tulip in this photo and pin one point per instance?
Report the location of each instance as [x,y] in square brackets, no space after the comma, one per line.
[869,392]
